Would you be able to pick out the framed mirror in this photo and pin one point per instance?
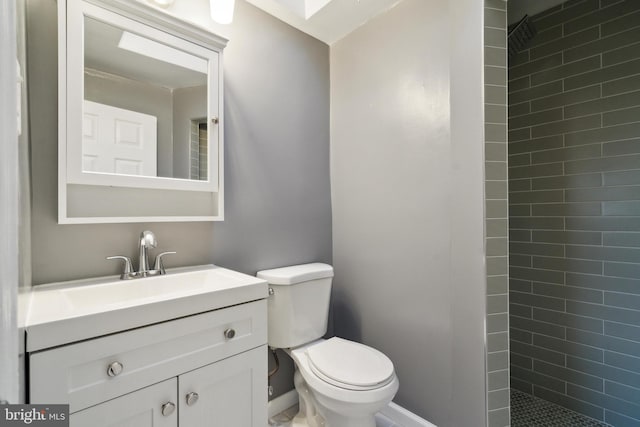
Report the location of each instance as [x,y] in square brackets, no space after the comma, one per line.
[140,110]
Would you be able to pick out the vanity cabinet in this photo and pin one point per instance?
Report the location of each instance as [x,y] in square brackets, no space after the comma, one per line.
[201,370]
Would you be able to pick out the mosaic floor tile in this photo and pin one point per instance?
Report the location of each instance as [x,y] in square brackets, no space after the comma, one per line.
[529,411]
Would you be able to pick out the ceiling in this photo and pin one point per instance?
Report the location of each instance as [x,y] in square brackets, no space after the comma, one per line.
[332,21]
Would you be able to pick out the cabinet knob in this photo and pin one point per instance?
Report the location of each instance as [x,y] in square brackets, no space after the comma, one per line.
[114,369]
[215,120]
[192,398]
[229,333]
[168,408]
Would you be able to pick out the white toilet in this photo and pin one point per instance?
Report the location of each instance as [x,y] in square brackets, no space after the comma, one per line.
[340,383]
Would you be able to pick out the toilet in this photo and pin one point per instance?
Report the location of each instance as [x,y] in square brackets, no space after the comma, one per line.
[340,383]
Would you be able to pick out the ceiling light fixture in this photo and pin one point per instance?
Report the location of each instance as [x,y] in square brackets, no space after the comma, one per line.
[222,11]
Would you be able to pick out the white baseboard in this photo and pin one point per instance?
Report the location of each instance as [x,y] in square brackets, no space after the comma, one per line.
[282,402]
[392,412]
[403,417]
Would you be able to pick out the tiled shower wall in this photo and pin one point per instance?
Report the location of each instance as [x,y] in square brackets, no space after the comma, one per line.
[495,79]
[574,203]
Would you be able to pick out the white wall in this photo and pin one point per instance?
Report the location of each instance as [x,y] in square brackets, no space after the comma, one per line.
[407,195]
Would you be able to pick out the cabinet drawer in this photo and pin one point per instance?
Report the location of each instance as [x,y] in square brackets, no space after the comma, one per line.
[77,374]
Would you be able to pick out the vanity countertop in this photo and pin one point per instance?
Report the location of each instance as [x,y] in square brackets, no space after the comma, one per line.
[62,313]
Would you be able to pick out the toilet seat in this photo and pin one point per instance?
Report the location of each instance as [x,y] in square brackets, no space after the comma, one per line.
[350,365]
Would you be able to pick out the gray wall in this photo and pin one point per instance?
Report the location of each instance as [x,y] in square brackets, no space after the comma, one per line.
[574,167]
[495,115]
[406,143]
[277,204]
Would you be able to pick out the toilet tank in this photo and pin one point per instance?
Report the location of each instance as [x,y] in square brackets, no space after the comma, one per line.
[298,309]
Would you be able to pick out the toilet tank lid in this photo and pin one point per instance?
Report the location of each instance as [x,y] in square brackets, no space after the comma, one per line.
[296,273]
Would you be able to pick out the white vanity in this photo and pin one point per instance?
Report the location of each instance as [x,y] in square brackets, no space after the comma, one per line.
[187,348]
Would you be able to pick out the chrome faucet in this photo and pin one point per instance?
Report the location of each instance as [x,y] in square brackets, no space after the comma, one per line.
[147,240]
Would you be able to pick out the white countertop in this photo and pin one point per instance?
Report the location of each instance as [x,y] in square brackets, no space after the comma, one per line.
[62,313]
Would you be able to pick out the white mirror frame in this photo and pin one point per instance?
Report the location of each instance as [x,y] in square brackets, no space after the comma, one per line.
[147,20]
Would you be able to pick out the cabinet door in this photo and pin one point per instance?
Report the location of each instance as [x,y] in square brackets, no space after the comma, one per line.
[141,408]
[230,393]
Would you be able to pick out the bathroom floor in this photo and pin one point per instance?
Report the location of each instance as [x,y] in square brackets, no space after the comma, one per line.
[529,411]
[284,418]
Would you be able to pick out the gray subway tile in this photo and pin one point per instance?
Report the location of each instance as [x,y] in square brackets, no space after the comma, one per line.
[603,194]
[519,160]
[496,209]
[495,37]
[520,235]
[547,169]
[519,109]
[536,249]
[497,228]
[540,301]
[520,184]
[536,144]
[561,43]
[519,83]
[519,135]
[613,284]
[574,237]
[618,148]
[495,170]
[599,105]
[622,269]
[497,285]
[523,386]
[495,56]
[495,94]
[497,304]
[609,402]
[546,36]
[621,85]
[630,394]
[611,133]
[565,99]
[615,419]
[569,320]
[566,126]
[568,265]
[569,375]
[495,18]
[535,66]
[604,253]
[603,312]
[539,329]
[520,260]
[602,74]
[518,285]
[603,223]
[495,132]
[603,164]
[497,361]
[565,71]
[565,14]
[620,330]
[519,310]
[570,153]
[568,292]
[497,246]
[529,120]
[496,4]
[497,341]
[522,361]
[623,208]
[495,152]
[603,341]
[623,361]
[627,115]
[538,379]
[495,114]
[497,322]
[631,240]
[519,210]
[629,177]
[602,45]
[551,88]
[620,55]
[622,23]
[497,265]
[622,300]
[538,223]
[602,15]
[499,399]
[593,411]
[569,347]
[496,189]
[522,337]
[566,209]
[499,418]
[498,380]
[545,196]
[495,75]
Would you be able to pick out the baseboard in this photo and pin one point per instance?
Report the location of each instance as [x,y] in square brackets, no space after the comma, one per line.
[282,402]
[392,412]
[403,417]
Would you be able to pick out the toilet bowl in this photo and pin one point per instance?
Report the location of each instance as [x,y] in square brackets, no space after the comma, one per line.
[340,383]
[343,382]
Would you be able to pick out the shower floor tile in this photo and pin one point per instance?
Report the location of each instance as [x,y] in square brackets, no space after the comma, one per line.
[529,411]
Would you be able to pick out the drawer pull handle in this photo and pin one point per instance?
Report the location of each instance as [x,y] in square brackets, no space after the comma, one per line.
[229,333]
[114,369]
[168,408]
[192,398]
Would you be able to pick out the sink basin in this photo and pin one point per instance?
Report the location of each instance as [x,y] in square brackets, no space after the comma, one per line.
[67,312]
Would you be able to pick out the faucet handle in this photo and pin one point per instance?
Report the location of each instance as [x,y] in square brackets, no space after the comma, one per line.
[128,266]
[159,265]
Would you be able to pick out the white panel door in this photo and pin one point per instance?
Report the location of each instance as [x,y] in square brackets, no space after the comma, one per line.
[230,393]
[142,408]
[115,140]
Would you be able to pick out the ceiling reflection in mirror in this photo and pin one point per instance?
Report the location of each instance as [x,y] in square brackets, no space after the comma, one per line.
[145,106]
